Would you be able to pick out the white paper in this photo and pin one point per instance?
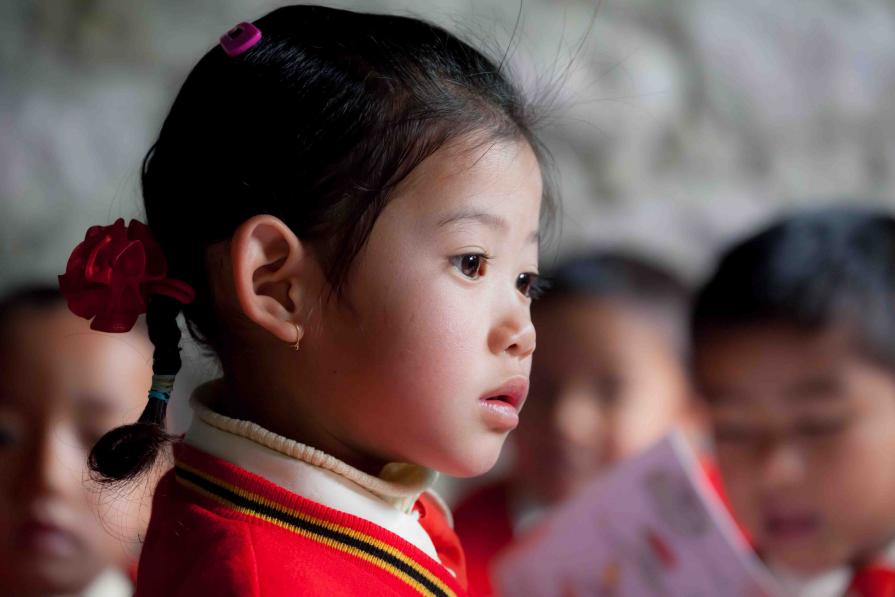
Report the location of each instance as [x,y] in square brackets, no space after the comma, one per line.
[652,526]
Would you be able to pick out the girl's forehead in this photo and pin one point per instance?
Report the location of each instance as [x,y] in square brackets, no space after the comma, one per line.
[501,175]
[471,157]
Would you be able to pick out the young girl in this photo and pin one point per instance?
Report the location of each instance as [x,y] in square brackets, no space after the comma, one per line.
[349,206]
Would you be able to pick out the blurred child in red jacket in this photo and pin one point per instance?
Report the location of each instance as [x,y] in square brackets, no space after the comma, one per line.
[794,352]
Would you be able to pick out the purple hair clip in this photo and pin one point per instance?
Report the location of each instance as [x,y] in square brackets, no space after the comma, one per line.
[239,39]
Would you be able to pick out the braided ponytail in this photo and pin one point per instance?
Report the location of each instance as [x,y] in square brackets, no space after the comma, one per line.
[117,273]
[125,453]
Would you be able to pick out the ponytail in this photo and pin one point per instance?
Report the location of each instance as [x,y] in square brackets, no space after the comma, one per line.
[112,277]
[125,453]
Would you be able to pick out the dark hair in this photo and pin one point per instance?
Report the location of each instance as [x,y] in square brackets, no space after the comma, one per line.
[811,270]
[34,296]
[628,279]
[316,124]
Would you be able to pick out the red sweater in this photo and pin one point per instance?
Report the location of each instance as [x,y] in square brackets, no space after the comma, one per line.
[217,529]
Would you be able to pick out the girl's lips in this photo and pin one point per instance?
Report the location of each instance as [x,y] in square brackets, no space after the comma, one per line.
[791,526]
[512,392]
[501,406]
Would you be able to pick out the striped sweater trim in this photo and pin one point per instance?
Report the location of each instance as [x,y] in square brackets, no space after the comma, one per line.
[343,538]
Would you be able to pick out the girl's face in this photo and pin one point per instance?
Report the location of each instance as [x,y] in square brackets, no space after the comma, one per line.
[427,360]
[805,433]
[64,386]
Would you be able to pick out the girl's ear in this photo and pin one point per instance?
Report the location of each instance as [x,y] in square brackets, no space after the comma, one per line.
[271,274]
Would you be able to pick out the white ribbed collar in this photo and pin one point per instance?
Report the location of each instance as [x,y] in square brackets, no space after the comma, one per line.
[386,500]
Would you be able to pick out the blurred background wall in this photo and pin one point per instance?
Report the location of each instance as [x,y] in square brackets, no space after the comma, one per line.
[674,123]
[678,123]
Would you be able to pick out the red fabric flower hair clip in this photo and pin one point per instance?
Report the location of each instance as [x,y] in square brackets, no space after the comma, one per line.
[111,275]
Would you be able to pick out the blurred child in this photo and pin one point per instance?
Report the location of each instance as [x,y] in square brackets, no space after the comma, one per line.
[64,387]
[347,207]
[794,351]
[608,380]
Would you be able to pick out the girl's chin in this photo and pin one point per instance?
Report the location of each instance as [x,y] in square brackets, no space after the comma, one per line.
[473,466]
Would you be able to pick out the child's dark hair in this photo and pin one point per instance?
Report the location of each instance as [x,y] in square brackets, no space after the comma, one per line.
[812,271]
[39,297]
[316,124]
[629,279]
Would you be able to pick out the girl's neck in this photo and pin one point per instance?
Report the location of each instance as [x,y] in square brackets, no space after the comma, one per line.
[284,415]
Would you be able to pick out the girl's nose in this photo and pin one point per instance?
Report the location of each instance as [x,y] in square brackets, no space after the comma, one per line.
[514,337]
[781,465]
[578,419]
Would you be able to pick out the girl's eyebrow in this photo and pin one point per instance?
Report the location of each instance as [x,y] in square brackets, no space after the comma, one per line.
[482,217]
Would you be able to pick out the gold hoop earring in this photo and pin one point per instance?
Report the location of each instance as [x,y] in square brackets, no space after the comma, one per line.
[299,334]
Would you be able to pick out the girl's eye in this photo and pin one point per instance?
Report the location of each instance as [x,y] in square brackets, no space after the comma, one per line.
[821,428]
[531,285]
[609,390]
[470,265]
